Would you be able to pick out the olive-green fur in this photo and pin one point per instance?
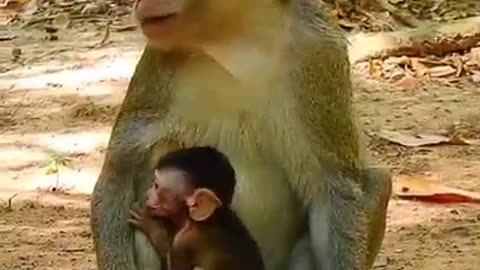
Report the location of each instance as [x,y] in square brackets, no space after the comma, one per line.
[291,137]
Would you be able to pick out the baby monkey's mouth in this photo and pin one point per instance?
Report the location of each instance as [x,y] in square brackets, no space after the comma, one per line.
[158,19]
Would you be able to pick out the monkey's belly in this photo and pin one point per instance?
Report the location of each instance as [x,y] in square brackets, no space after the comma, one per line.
[254,128]
[266,204]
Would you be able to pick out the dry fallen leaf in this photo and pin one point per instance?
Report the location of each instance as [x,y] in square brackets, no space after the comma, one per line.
[418,66]
[408,82]
[431,61]
[421,188]
[421,139]
[373,68]
[397,75]
[458,66]
[441,71]
[474,56]
[346,24]
[13,4]
[403,60]
[24,7]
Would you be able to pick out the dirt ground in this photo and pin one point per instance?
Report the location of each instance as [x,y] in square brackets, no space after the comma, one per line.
[63,97]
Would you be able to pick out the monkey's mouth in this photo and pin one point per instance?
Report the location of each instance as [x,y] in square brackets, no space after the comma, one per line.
[158,19]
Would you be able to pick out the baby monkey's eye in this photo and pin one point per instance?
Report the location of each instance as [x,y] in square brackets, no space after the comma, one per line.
[155,185]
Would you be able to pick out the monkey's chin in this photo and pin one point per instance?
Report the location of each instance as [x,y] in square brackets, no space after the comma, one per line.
[159,28]
[172,43]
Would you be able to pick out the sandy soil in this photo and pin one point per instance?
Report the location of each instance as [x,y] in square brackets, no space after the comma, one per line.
[64,97]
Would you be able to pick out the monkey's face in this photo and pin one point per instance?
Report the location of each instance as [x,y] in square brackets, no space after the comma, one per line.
[173,196]
[168,194]
[190,23]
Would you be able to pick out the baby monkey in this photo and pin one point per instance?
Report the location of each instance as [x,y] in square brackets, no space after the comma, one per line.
[191,195]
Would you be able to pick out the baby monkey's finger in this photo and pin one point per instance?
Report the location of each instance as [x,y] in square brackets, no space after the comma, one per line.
[136,206]
[134,214]
[133,222]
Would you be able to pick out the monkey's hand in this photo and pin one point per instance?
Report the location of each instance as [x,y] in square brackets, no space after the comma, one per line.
[138,218]
[152,228]
[141,219]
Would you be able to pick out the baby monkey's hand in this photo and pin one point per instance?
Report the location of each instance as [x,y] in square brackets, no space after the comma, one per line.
[139,218]
[154,229]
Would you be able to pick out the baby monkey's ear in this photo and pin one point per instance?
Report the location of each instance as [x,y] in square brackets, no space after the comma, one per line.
[202,203]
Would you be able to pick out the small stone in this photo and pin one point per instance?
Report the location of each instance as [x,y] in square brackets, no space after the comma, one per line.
[454,211]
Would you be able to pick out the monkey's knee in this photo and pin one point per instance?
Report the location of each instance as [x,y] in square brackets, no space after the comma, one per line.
[377,188]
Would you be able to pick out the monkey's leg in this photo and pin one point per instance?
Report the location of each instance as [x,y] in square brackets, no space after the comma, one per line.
[377,188]
[338,226]
[325,245]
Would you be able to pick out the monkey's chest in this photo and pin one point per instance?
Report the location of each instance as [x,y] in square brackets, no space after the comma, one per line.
[257,144]
[266,203]
[257,127]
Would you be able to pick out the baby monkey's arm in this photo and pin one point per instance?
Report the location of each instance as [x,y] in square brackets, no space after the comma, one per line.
[181,258]
[192,249]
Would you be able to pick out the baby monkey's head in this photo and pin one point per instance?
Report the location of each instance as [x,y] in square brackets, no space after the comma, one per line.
[191,184]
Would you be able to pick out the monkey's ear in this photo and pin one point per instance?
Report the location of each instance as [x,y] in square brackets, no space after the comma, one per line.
[157,174]
[202,204]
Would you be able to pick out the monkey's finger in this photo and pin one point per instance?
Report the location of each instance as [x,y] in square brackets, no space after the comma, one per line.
[136,206]
[135,215]
[133,222]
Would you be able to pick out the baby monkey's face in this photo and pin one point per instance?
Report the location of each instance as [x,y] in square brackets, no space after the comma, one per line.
[174,196]
[168,195]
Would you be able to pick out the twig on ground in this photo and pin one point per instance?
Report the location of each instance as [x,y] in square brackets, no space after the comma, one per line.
[8,203]
[106,36]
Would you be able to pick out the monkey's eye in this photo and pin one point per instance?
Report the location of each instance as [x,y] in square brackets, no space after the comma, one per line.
[155,185]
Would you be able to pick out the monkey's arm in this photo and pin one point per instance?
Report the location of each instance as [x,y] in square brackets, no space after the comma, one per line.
[112,197]
[125,173]
[182,256]
[350,216]
[338,226]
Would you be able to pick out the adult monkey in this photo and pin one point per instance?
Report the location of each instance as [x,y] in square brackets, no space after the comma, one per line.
[267,82]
